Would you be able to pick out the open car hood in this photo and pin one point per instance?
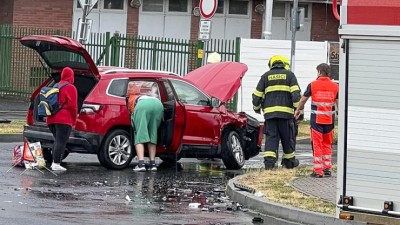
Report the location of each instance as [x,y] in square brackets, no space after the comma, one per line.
[59,52]
[221,80]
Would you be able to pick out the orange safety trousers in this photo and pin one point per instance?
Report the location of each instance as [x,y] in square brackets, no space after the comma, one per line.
[322,138]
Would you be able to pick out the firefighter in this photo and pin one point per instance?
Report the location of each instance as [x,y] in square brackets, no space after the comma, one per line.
[324,95]
[277,94]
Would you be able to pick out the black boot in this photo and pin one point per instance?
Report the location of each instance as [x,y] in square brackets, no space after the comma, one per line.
[327,173]
[269,163]
[290,163]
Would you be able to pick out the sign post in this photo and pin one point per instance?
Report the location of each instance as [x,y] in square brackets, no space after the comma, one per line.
[207,11]
[204,30]
[208,8]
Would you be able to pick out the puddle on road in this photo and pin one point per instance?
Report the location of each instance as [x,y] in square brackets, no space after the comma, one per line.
[190,189]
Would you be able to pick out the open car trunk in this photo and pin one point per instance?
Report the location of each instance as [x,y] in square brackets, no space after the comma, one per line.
[84,84]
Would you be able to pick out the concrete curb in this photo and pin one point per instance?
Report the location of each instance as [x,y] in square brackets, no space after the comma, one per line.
[282,211]
[11,138]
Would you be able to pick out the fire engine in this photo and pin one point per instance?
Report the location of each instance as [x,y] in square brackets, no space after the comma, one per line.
[368,182]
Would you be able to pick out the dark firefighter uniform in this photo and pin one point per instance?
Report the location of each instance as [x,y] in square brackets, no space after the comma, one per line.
[324,93]
[277,94]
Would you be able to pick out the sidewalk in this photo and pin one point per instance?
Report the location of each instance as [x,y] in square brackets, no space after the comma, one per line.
[11,109]
[324,188]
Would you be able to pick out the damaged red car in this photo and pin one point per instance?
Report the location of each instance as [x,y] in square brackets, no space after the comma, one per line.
[197,123]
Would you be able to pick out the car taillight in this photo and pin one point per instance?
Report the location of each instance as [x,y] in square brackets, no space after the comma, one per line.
[260,135]
[29,117]
[90,108]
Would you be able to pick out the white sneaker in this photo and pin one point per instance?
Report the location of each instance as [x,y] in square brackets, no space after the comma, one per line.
[138,168]
[153,168]
[57,167]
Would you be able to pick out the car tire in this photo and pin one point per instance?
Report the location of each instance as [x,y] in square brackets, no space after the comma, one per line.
[170,158]
[232,150]
[116,152]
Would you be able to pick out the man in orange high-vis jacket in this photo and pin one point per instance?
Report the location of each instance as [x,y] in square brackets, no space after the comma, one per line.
[324,95]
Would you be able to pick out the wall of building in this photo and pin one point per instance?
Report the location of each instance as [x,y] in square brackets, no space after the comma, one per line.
[43,14]
[6,12]
[256,21]
[132,21]
[324,26]
[195,22]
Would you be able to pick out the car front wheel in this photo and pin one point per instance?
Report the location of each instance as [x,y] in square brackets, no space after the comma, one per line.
[116,151]
[232,151]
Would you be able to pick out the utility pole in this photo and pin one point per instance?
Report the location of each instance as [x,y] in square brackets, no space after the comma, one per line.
[295,13]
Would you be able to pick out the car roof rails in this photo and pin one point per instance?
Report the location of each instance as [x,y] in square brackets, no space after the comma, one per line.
[124,70]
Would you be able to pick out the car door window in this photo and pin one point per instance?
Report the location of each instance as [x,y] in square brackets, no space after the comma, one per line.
[169,91]
[139,87]
[189,94]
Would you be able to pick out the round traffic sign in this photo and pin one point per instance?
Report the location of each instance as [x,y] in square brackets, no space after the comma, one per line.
[208,8]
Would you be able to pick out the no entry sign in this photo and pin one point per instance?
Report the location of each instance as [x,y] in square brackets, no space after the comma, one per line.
[208,8]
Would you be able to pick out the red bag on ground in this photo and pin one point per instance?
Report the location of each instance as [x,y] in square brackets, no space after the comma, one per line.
[17,155]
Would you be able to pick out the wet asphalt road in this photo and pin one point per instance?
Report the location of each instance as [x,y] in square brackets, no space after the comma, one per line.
[89,194]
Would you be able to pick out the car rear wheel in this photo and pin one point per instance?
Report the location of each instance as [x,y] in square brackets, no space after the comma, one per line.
[232,150]
[116,151]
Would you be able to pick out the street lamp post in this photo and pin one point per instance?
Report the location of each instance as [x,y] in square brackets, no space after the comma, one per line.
[294,29]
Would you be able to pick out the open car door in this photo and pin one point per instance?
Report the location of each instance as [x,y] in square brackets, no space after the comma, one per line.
[174,120]
[59,52]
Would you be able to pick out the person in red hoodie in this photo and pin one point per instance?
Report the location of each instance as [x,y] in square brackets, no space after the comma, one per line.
[61,123]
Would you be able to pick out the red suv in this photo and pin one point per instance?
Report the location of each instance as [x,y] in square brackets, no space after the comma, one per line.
[196,121]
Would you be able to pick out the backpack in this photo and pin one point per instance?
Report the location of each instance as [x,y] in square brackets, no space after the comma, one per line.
[48,100]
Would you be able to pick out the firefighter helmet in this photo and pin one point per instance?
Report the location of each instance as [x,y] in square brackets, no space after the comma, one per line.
[278,59]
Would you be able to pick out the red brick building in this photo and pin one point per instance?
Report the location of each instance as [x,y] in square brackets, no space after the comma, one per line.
[173,18]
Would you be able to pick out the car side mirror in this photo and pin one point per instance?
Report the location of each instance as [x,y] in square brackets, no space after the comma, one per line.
[215,102]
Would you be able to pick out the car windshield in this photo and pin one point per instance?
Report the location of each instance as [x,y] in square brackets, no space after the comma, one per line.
[60,58]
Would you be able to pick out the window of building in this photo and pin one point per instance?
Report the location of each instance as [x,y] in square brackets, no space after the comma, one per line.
[78,4]
[238,7]
[178,6]
[305,6]
[279,9]
[113,4]
[153,6]
[220,7]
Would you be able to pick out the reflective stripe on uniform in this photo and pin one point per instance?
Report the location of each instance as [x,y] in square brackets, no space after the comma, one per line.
[289,156]
[294,88]
[277,88]
[258,93]
[321,112]
[318,159]
[269,154]
[318,166]
[278,109]
[326,156]
[322,104]
[295,104]
[256,107]
[282,88]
